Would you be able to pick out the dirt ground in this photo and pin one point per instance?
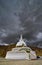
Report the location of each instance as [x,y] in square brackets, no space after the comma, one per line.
[20,62]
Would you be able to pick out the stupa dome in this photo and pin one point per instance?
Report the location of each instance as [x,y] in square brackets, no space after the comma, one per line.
[21,42]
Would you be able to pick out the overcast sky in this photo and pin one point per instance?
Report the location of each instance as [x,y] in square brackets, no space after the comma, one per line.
[18,16]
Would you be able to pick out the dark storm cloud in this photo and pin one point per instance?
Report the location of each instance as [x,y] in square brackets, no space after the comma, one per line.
[18,16]
[9,19]
[32,15]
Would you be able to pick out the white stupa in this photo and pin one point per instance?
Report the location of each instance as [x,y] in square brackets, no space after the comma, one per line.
[21,42]
[21,51]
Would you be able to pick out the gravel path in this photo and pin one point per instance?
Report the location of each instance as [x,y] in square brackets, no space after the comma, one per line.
[20,62]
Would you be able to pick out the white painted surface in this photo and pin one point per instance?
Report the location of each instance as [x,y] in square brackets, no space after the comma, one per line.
[12,55]
[21,42]
[16,54]
[33,55]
